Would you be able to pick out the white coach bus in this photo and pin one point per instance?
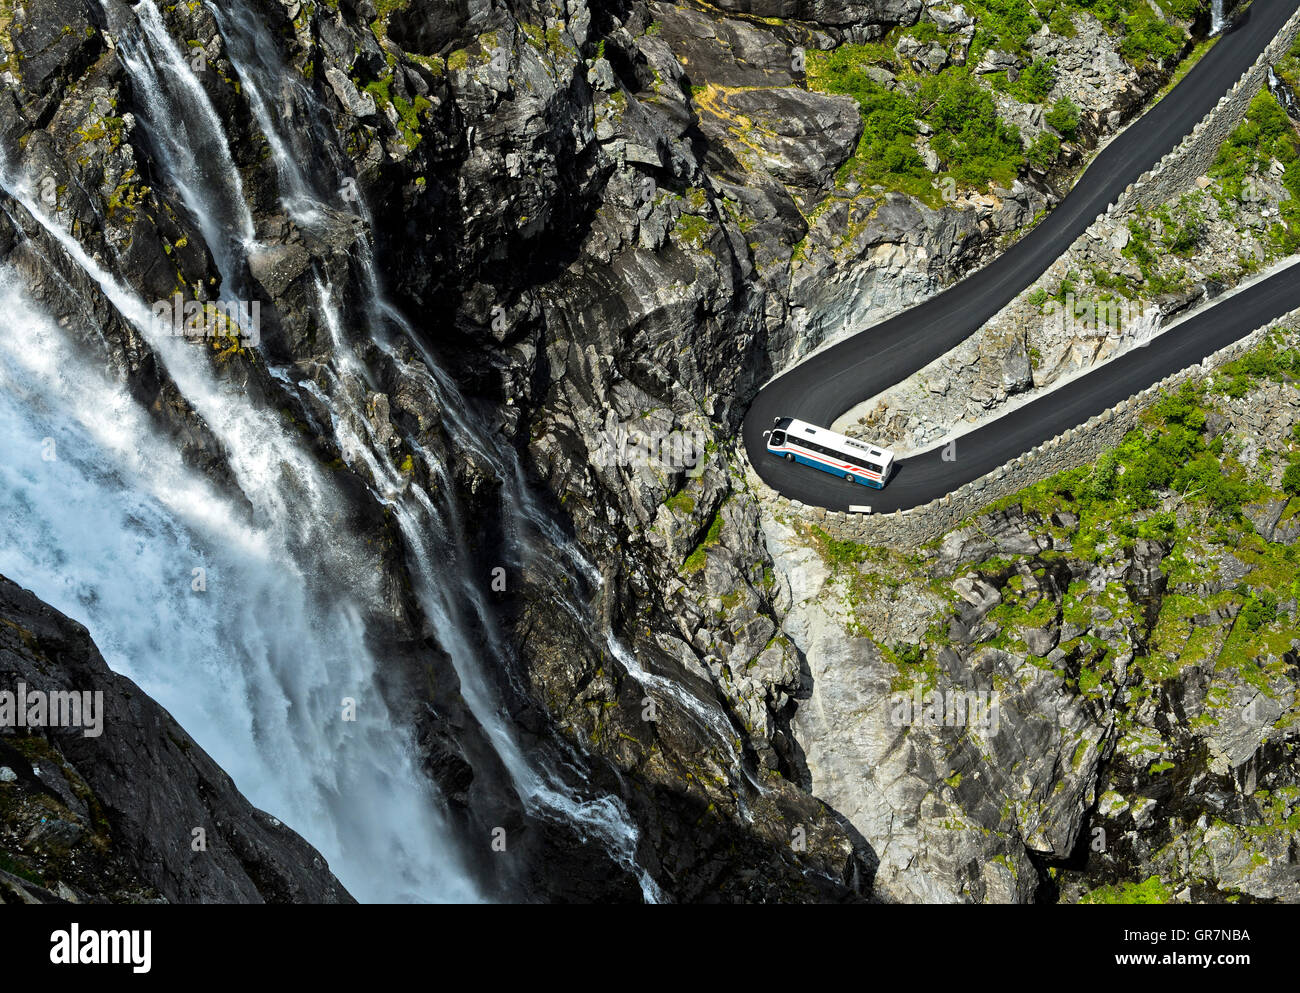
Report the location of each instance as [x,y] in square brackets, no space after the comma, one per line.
[856,461]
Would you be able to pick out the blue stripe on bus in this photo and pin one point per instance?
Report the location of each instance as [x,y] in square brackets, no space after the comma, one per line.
[858,477]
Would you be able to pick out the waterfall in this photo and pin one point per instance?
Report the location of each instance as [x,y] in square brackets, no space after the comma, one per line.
[434,528]
[185,130]
[111,529]
[258,665]
[286,626]
[1284,94]
[1217,20]
[285,109]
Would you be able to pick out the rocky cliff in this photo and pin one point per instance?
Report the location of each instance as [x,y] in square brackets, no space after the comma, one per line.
[604,221]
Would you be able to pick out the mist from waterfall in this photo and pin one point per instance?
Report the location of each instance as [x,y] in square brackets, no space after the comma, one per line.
[256,663]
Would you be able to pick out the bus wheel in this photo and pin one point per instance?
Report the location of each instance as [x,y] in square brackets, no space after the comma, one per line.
[849,477]
[789,456]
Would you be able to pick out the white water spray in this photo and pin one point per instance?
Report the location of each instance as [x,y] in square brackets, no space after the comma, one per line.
[1217,19]
[111,529]
[435,529]
[184,127]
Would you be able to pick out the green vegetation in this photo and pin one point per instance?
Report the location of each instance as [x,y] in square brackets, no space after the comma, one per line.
[1169,454]
[1148,39]
[1266,134]
[696,561]
[1288,67]
[1003,24]
[408,113]
[1172,455]
[885,153]
[1033,84]
[8,865]
[693,230]
[1064,117]
[1268,361]
[840,554]
[1150,890]
[1291,480]
[681,504]
[976,146]
[1144,37]
[1124,496]
[1181,230]
[1044,150]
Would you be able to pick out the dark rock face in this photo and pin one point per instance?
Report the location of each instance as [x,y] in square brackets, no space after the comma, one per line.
[112,817]
[831,13]
[51,55]
[511,224]
[432,27]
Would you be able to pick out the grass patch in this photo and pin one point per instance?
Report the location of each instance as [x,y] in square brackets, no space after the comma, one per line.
[1150,890]
[698,558]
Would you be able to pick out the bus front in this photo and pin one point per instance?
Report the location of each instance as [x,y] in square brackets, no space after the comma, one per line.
[776,437]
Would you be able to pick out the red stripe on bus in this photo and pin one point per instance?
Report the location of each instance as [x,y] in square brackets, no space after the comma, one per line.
[839,465]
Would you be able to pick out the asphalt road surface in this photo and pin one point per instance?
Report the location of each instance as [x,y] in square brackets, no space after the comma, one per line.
[831,382]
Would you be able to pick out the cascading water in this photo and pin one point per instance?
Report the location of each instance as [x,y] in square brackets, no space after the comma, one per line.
[285,109]
[1284,94]
[1217,19]
[335,806]
[105,523]
[433,527]
[275,641]
[186,132]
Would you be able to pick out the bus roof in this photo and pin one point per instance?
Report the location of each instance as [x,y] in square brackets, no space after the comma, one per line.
[802,429]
